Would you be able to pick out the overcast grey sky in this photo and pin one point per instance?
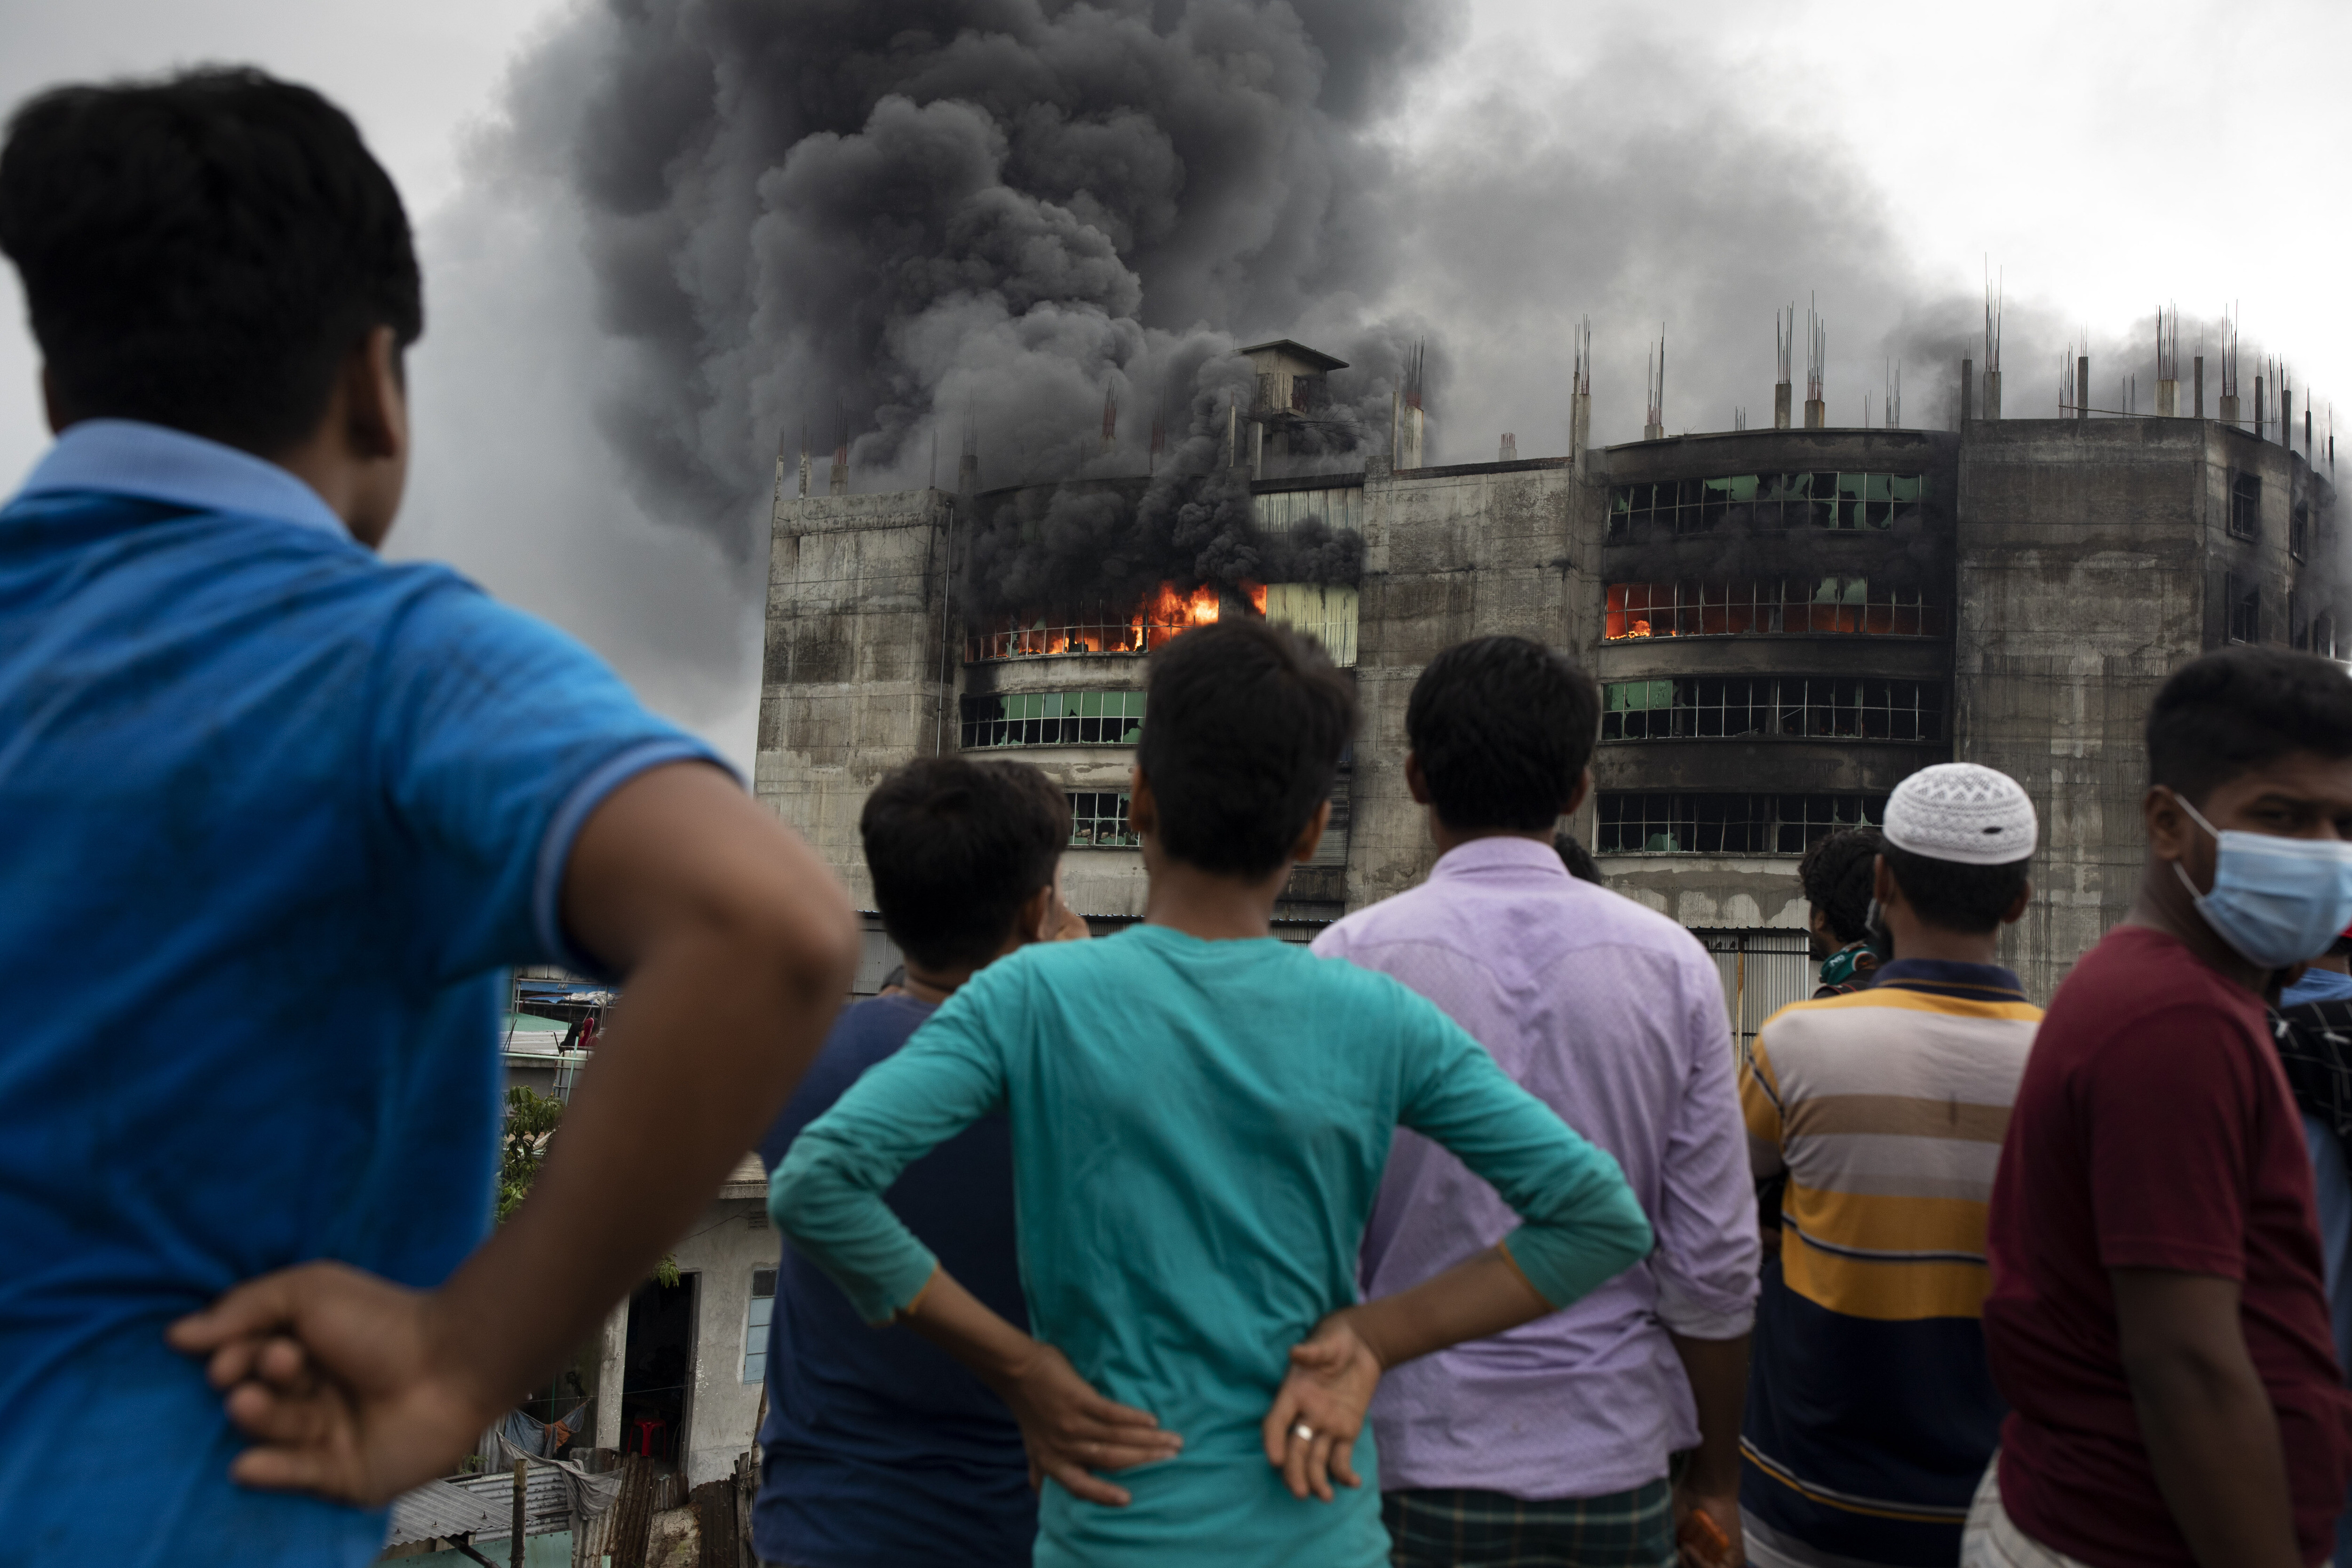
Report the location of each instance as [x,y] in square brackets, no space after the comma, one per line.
[1689,165]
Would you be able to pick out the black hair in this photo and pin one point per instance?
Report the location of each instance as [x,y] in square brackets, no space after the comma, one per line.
[955,848]
[2229,711]
[203,251]
[1504,727]
[1951,896]
[1836,875]
[1578,859]
[1244,726]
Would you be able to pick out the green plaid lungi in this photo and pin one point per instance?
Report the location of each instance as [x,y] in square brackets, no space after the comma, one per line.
[1460,1528]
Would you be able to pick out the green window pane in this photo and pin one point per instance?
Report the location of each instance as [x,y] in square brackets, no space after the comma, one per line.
[1622,498]
[1904,487]
[1641,695]
[1850,487]
[1881,487]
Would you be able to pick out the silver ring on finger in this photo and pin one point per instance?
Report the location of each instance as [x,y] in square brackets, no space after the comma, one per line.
[1303,1432]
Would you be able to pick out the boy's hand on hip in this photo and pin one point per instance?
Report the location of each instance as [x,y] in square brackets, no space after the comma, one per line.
[1069,1429]
[1310,1433]
[341,1380]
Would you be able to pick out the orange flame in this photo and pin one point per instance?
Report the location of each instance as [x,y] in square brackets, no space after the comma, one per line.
[1641,630]
[1255,593]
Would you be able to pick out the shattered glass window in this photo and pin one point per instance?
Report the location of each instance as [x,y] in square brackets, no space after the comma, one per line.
[1053,718]
[1660,823]
[1098,820]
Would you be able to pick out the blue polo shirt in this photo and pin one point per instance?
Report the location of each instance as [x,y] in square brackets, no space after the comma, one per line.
[274,815]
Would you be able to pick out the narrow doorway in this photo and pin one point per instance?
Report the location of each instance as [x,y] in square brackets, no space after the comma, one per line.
[655,1368]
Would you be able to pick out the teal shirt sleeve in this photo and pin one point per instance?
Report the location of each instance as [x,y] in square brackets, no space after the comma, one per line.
[827,1194]
[1581,1223]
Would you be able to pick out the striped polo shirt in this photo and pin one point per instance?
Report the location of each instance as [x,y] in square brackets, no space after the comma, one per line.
[1871,1410]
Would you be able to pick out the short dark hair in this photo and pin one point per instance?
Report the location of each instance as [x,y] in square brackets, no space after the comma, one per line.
[1578,859]
[1503,727]
[955,848]
[1244,726]
[1836,874]
[203,251]
[2229,711]
[1952,896]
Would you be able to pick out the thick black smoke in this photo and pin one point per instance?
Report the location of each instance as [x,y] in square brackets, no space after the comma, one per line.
[894,218]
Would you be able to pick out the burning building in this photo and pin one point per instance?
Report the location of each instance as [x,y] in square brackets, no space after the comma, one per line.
[1784,622]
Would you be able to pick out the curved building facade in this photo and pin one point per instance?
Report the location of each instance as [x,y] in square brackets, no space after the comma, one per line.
[1784,624]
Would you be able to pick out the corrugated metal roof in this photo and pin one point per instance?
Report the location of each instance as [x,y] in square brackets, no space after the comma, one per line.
[547,1502]
[438,1511]
[482,1507]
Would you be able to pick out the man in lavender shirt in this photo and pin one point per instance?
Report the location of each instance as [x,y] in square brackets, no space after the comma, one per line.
[1551,1443]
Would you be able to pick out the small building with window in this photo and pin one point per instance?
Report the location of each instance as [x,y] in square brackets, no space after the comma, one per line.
[1783,623]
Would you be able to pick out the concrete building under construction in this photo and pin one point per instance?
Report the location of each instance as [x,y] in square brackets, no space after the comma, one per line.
[1785,622]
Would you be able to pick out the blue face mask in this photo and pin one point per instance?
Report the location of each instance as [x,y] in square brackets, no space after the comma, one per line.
[2276,901]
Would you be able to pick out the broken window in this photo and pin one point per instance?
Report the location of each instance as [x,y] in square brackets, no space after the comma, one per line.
[2246,507]
[1053,718]
[1767,501]
[1814,707]
[1098,820]
[1768,607]
[756,1318]
[2243,602]
[1640,822]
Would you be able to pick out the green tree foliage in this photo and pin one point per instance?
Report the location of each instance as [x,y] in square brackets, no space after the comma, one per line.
[531,1120]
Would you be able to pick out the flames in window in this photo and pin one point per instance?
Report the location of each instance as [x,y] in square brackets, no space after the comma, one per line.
[1164,614]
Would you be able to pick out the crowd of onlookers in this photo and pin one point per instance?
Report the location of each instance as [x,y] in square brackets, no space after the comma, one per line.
[1468,1236]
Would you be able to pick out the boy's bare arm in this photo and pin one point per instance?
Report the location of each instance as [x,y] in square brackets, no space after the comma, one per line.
[737,946]
[1067,1428]
[1310,1433]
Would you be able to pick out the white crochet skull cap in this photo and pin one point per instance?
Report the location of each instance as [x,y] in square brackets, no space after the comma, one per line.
[1963,812]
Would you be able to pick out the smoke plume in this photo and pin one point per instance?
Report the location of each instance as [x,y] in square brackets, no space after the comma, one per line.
[880,222]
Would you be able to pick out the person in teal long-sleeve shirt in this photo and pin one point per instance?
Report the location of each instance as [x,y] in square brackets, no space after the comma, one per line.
[1201,1115]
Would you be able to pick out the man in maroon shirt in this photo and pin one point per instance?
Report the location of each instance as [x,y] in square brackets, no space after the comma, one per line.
[2157,1320]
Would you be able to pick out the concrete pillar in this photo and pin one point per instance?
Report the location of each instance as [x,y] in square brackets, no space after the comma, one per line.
[1508,451]
[1653,432]
[1780,405]
[2286,415]
[840,485]
[612,1367]
[1579,431]
[1992,394]
[805,471]
[2199,372]
[1257,450]
[2082,386]
[1817,414]
[2168,399]
[2258,408]
[2307,432]
[968,474]
[1967,392]
[2230,409]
